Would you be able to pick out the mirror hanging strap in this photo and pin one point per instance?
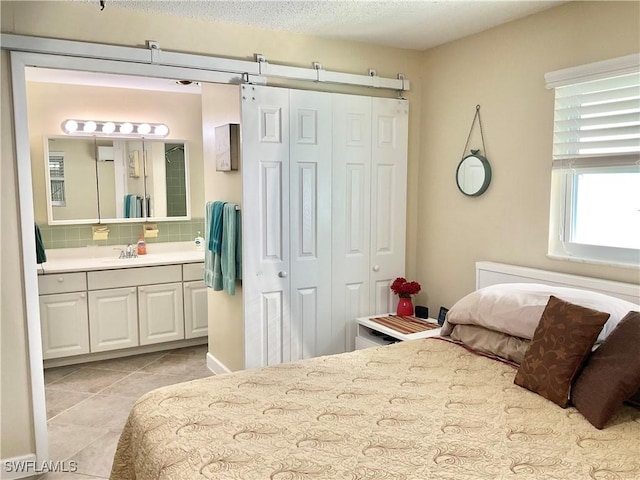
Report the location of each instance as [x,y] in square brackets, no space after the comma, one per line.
[475,117]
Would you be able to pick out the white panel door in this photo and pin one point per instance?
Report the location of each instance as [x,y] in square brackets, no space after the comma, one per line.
[196,320]
[160,313]
[351,215]
[390,119]
[113,319]
[265,224]
[310,223]
[65,324]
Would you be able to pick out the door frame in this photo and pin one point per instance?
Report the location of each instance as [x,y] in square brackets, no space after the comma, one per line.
[19,61]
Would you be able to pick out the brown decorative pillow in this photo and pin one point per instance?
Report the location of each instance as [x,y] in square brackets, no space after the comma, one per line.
[611,374]
[560,344]
[634,401]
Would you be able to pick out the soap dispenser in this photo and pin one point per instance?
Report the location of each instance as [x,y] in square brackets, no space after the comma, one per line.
[142,246]
[199,242]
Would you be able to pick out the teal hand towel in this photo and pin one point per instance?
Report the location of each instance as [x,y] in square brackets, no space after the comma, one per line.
[212,269]
[127,203]
[41,255]
[229,246]
[238,246]
[215,239]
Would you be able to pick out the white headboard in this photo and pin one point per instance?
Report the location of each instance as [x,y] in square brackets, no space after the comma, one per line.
[490,273]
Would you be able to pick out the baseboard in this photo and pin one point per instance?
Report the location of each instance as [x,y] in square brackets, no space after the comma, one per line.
[18,467]
[215,365]
[125,352]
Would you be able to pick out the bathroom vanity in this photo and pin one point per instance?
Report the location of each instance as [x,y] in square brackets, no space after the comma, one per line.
[94,305]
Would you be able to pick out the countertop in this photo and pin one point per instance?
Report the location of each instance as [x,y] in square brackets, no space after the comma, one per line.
[60,260]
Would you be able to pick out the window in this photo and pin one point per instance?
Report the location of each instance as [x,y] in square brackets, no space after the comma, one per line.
[595,202]
[56,178]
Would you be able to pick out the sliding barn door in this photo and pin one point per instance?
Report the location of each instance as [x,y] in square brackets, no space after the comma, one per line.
[324,217]
[265,201]
[310,223]
[351,214]
[390,120]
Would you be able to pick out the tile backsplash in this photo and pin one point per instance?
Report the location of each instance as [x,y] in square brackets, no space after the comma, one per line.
[69,236]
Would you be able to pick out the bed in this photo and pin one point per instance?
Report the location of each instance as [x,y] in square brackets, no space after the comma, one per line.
[433,408]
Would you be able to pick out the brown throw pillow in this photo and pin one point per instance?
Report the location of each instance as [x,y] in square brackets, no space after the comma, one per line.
[611,374]
[561,342]
[634,401]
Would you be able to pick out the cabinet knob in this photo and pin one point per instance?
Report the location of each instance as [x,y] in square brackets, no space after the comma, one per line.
[186,285]
[282,274]
[82,295]
[133,290]
[60,279]
[141,289]
[376,268]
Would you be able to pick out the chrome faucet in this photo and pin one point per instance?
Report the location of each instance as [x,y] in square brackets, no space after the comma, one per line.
[129,252]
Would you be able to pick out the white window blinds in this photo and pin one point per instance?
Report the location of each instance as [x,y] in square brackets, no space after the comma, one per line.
[597,123]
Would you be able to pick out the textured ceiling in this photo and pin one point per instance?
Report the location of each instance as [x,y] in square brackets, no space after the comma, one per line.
[417,24]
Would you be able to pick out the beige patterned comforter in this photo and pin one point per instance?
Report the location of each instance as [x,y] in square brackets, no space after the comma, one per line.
[425,409]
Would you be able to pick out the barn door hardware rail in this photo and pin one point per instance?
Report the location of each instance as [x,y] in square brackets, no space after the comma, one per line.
[237,70]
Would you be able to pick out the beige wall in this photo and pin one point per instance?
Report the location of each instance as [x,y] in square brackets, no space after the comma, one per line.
[503,70]
[50,104]
[221,105]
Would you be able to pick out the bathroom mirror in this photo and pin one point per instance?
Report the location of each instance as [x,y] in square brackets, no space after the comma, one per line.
[71,180]
[116,180]
[473,175]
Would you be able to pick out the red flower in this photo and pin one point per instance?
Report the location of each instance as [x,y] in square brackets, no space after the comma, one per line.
[405,289]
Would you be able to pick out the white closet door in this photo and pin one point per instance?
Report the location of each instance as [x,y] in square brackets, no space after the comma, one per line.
[265,223]
[310,223]
[351,215]
[388,199]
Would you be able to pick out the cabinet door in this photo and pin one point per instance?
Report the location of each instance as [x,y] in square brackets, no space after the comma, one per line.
[389,133]
[265,225]
[113,319]
[65,325]
[351,206]
[160,313]
[196,319]
[310,223]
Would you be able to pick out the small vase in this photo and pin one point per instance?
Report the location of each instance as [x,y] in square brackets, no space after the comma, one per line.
[405,307]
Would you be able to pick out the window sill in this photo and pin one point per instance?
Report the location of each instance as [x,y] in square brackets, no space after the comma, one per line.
[593,261]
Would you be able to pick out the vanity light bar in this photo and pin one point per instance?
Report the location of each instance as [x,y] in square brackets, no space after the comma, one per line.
[125,129]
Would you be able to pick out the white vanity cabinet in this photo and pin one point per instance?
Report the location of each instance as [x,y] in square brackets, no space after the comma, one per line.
[150,306]
[108,310]
[113,319]
[196,317]
[160,313]
[63,315]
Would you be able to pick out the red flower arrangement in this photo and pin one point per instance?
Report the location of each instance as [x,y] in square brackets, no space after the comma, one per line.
[405,289]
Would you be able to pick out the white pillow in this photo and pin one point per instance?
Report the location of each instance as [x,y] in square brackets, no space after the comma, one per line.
[516,308]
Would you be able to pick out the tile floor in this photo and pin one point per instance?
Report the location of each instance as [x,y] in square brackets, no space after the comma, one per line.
[88,404]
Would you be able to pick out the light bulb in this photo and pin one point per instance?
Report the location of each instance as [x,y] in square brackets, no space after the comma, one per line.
[144,128]
[70,126]
[89,127]
[161,130]
[109,127]
[126,128]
